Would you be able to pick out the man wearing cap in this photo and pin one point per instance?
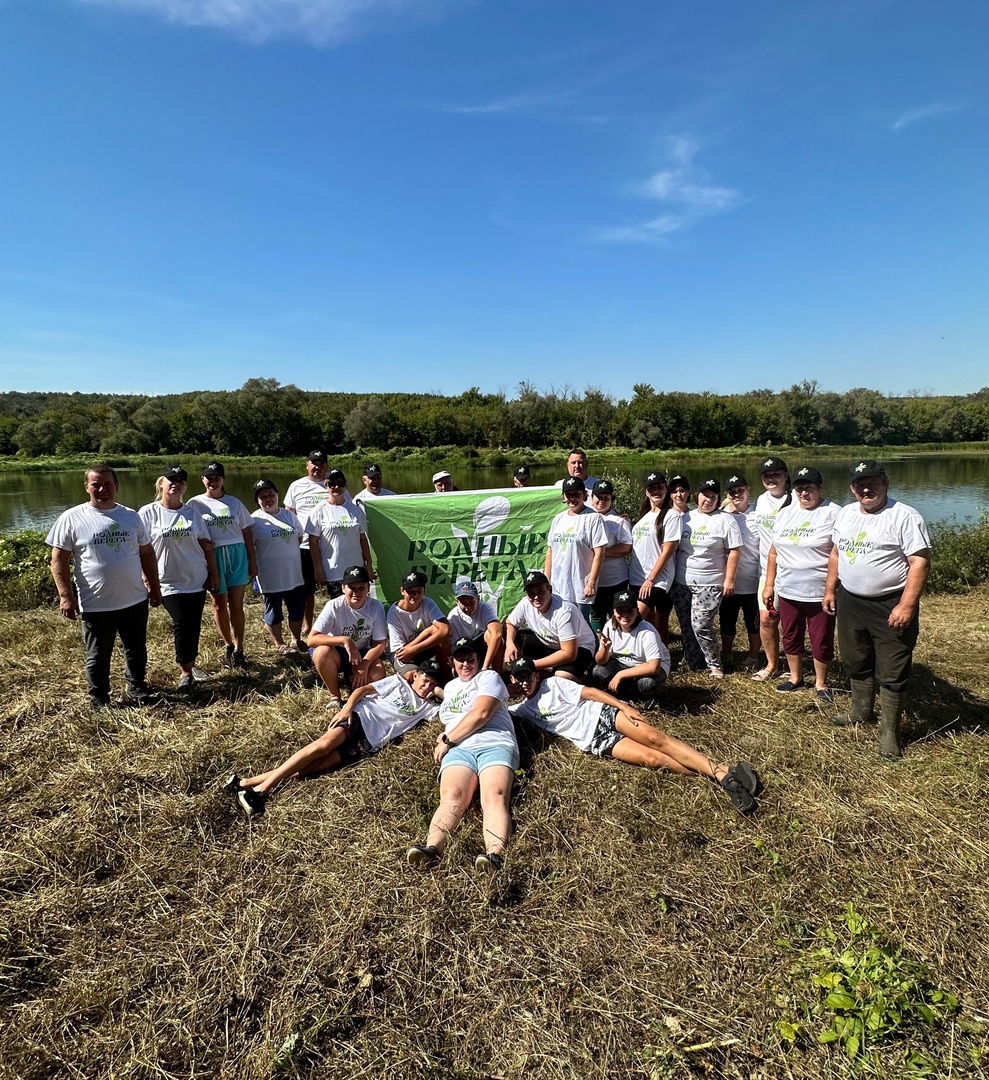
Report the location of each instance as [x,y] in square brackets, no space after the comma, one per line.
[877,571]
[349,636]
[302,497]
[116,577]
[337,531]
[477,620]
[372,485]
[443,482]
[417,629]
[577,467]
[575,546]
[522,477]
[614,570]
[549,630]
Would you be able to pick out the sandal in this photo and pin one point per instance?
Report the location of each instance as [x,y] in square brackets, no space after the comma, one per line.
[764,675]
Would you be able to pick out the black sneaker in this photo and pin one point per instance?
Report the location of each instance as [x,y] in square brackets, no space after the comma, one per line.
[741,798]
[228,657]
[142,695]
[424,856]
[490,862]
[233,784]
[238,660]
[787,687]
[252,802]
[747,777]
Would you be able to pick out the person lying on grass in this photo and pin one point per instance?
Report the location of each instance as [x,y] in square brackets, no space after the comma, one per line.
[476,750]
[600,724]
[375,715]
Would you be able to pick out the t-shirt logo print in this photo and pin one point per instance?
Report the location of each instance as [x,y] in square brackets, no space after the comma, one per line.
[357,630]
[112,538]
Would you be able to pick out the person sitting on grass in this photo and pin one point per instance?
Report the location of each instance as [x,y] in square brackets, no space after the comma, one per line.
[632,661]
[600,724]
[375,715]
[477,749]
[476,619]
[349,636]
[549,630]
[417,629]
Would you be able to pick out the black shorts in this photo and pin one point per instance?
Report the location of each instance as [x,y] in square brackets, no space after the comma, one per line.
[308,572]
[659,600]
[355,747]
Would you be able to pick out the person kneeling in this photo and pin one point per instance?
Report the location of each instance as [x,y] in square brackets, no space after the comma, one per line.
[632,661]
[600,724]
[375,715]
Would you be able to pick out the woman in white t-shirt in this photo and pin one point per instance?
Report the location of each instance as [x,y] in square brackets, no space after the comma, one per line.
[278,532]
[375,715]
[707,561]
[796,572]
[746,596]
[186,567]
[651,565]
[231,530]
[776,480]
[632,661]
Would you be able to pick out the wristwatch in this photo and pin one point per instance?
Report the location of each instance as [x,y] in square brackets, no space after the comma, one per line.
[446,741]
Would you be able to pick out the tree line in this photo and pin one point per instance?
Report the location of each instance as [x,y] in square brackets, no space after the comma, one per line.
[265,418]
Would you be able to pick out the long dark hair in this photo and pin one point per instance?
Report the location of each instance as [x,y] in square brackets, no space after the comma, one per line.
[646,506]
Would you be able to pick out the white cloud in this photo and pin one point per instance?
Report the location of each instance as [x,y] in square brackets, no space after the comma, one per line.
[319,21]
[524,102]
[924,112]
[682,185]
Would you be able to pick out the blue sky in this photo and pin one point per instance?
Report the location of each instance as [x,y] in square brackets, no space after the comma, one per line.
[433,194]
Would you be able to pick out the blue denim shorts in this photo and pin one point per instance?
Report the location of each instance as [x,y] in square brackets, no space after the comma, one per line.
[479,760]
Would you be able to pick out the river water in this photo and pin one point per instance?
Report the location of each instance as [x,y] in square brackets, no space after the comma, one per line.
[940,486]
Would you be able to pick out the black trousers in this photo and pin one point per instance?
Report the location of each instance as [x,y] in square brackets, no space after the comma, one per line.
[99,631]
[186,612]
[869,646]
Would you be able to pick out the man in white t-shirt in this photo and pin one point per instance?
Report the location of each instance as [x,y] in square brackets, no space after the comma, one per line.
[577,466]
[417,629]
[477,620]
[549,630]
[877,571]
[302,498]
[116,576]
[372,485]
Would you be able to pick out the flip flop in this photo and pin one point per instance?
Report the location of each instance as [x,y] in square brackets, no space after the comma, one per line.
[763,676]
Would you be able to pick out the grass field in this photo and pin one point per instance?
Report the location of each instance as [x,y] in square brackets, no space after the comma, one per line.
[641,927]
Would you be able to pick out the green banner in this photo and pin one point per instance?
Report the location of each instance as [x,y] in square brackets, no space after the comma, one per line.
[492,538]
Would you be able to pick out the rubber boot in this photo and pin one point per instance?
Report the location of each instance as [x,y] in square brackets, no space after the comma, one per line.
[890,711]
[860,710]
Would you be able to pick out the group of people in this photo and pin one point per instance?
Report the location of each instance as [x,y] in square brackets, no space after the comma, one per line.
[585,648]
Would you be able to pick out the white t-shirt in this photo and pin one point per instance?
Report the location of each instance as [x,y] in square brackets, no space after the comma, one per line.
[276,547]
[339,529]
[303,496]
[459,698]
[363,625]
[802,539]
[365,494]
[702,557]
[392,711]
[175,536]
[747,574]
[105,546]
[615,571]
[557,707]
[646,548]
[638,647]
[767,506]
[873,548]
[226,518]
[464,625]
[403,626]
[572,539]
[563,622]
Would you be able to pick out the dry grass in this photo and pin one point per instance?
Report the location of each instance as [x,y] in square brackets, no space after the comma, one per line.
[641,928]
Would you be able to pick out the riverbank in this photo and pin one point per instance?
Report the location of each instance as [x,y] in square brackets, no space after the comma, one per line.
[486,458]
[641,928]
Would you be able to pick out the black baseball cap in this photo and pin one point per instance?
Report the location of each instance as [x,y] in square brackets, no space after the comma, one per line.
[356,573]
[524,665]
[624,599]
[679,481]
[603,487]
[656,477]
[262,485]
[522,473]
[430,667]
[372,470]
[334,476]
[866,470]
[535,577]
[414,579]
[573,483]
[807,474]
[318,456]
[463,644]
[710,485]
[736,480]
[213,468]
[175,472]
[773,464]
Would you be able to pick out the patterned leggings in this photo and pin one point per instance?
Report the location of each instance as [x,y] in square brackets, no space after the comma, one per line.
[696,608]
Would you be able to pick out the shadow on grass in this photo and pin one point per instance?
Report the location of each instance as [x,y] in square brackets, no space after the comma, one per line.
[939,708]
